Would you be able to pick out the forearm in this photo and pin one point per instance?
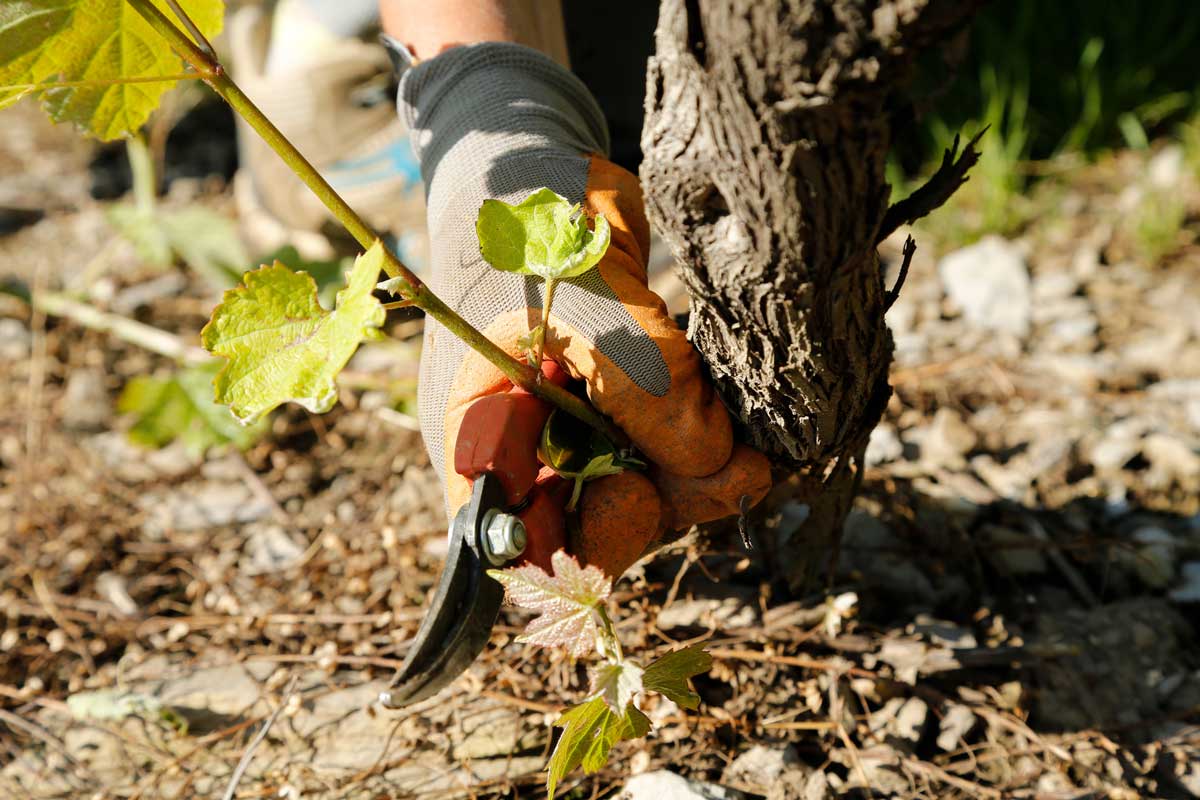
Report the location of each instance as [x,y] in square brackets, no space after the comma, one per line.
[429,28]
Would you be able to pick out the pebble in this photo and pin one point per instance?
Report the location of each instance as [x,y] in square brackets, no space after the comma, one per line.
[943,632]
[1188,589]
[666,785]
[201,505]
[910,720]
[1073,330]
[883,446]
[1054,285]
[268,549]
[989,282]
[792,516]
[1166,167]
[1012,552]
[112,587]
[85,404]
[947,438]
[954,725]
[132,464]
[760,766]
[862,531]
[1157,350]
[1171,456]
[1119,443]
[725,613]
[14,340]
[1154,559]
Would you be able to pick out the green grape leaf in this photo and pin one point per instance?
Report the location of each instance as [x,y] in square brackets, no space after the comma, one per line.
[590,730]
[669,675]
[618,684]
[281,345]
[142,230]
[633,724]
[543,235]
[181,407]
[329,275]
[207,242]
[97,41]
[114,704]
[527,344]
[598,467]
[203,239]
[568,602]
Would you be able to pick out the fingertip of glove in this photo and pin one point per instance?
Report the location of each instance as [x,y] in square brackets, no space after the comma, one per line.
[619,517]
[695,445]
[694,500]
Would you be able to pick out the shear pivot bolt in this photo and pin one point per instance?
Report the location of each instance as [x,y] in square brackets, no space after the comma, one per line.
[503,536]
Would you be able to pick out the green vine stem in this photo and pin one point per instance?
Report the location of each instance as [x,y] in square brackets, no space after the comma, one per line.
[610,644]
[406,284]
[141,166]
[540,337]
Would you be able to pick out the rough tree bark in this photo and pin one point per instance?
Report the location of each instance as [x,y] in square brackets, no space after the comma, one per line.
[764,146]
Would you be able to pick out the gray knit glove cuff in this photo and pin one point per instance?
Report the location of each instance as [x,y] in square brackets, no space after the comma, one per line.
[489,107]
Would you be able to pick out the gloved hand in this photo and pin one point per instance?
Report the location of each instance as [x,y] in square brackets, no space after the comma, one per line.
[500,121]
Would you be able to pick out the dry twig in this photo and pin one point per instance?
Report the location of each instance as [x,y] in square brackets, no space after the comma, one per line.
[248,756]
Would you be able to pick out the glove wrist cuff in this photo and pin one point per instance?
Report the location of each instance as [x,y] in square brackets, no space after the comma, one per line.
[493,96]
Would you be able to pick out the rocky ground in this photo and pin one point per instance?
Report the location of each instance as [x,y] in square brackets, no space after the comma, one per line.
[1013,612]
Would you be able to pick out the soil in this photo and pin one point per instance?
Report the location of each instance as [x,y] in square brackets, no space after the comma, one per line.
[1011,613]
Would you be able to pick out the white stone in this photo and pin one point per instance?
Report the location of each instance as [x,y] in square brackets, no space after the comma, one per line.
[1166,167]
[665,785]
[883,446]
[269,549]
[200,505]
[1054,286]
[947,438]
[14,340]
[112,587]
[85,404]
[718,612]
[1115,450]
[1074,329]
[221,690]
[989,282]
[760,766]
[910,720]
[1171,455]
[954,725]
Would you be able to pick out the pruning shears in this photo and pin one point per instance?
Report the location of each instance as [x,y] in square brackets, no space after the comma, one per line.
[516,513]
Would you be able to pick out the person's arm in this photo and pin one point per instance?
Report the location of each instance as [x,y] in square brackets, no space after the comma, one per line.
[429,27]
[493,116]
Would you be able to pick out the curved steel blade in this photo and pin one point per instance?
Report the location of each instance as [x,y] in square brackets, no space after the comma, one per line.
[464,608]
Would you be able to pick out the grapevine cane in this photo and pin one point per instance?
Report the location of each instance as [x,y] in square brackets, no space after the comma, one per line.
[403,282]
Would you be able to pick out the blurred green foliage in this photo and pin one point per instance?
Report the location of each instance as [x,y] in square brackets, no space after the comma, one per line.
[1069,78]
[180,406]
[1068,75]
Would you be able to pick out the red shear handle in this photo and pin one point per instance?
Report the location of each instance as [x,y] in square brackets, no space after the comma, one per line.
[499,435]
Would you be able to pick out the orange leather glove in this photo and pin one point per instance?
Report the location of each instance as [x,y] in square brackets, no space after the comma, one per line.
[500,121]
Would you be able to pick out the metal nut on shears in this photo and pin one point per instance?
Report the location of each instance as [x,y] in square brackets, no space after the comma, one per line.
[503,536]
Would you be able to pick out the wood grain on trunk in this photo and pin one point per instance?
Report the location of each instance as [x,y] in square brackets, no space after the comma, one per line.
[765,143]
